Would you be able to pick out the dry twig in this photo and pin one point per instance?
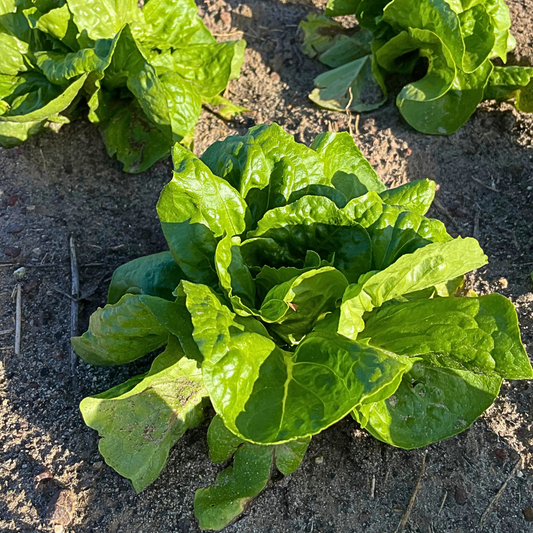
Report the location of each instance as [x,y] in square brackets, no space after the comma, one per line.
[488,510]
[445,212]
[348,113]
[18,319]
[75,293]
[405,519]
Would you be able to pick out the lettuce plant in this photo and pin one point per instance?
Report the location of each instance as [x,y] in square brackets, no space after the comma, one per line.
[447,46]
[144,69]
[297,290]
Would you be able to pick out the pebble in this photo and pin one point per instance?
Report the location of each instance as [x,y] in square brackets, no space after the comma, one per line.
[19,273]
[12,251]
[503,282]
[13,200]
[319,460]
[460,496]
[14,228]
[36,251]
[528,513]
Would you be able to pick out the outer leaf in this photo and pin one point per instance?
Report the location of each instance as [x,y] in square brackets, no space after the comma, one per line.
[133,139]
[195,209]
[139,426]
[428,266]
[352,87]
[431,404]
[155,275]
[512,82]
[271,396]
[345,165]
[331,43]
[476,334]
[217,506]
[416,196]
[135,326]
[209,67]
[289,455]
[448,113]
[32,108]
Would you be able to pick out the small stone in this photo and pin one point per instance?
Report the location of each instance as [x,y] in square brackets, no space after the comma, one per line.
[98,465]
[12,251]
[19,273]
[500,454]
[14,228]
[13,200]
[503,282]
[61,508]
[274,76]
[30,208]
[460,496]
[36,252]
[319,460]
[528,513]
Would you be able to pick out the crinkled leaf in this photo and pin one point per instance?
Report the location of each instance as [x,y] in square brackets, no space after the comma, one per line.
[476,334]
[416,196]
[267,166]
[512,82]
[345,166]
[428,266]
[398,232]
[139,426]
[172,24]
[103,19]
[315,223]
[155,275]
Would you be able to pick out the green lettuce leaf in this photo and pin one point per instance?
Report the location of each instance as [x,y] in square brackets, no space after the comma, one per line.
[155,275]
[140,420]
[426,267]
[195,209]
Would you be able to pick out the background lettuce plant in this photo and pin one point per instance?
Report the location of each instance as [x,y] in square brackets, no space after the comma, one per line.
[452,41]
[144,68]
[297,290]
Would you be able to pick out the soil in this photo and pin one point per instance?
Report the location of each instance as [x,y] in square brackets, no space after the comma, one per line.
[60,184]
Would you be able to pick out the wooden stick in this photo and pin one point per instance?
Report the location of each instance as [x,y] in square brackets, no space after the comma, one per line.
[18,319]
[403,523]
[74,309]
[485,515]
